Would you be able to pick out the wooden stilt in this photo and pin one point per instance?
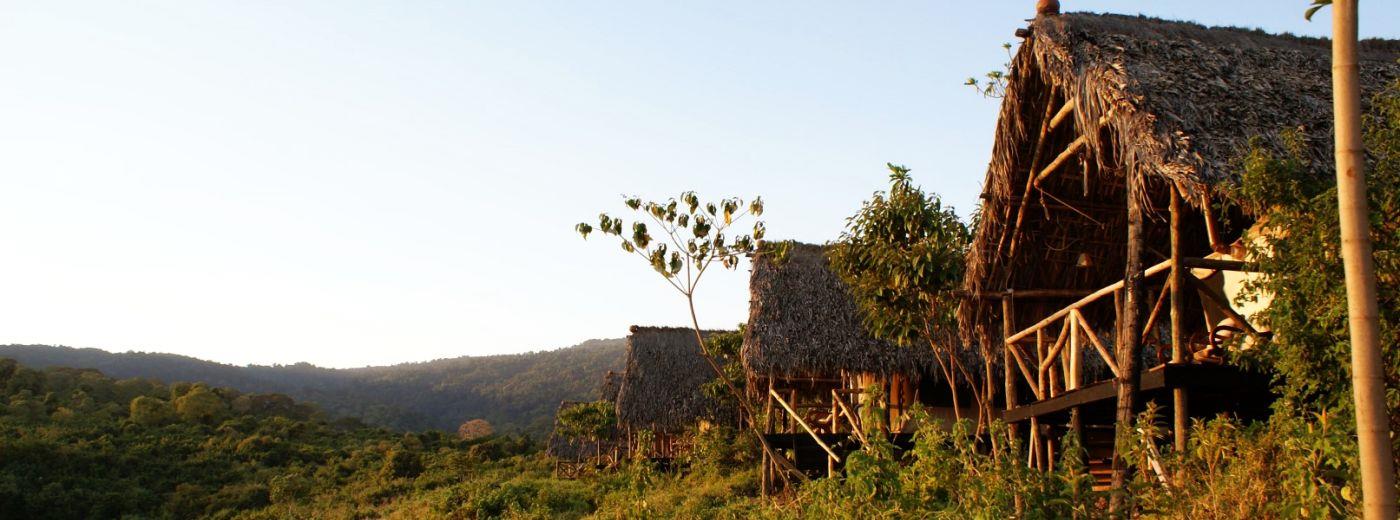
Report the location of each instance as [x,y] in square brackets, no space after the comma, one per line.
[1008,375]
[1180,414]
[1129,346]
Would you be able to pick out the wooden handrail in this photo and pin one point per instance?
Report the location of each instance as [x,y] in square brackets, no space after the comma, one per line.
[1026,373]
[850,416]
[1218,265]
[1094,338]
[1160,267]
[803,423]
[1055,350]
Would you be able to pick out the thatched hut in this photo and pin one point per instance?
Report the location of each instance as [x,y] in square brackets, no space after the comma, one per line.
[810,359]
[1118,142]
[575,454]
[662,389]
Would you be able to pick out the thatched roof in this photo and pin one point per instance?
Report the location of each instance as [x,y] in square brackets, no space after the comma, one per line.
[1180,104]
[612,382]
[662,385]
[803,322]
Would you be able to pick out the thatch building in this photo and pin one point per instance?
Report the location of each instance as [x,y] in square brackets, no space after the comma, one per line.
[810,360]
[662,390]
[1118,143]
[576,454]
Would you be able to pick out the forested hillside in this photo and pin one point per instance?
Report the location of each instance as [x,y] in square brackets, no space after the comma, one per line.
[515,393]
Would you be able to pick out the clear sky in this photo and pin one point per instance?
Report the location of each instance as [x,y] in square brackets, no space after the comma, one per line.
[354,182]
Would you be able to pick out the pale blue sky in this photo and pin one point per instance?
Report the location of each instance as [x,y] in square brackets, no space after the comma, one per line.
[353,182]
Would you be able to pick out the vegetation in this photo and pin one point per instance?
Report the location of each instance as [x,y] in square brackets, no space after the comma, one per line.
[515,393]
[902,256]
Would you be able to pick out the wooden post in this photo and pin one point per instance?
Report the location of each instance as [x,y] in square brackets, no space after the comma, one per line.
[1367,365]
[766,470]
[1129,346]
[1008,374]
[1181,421]
[1076,366]
[1041,379]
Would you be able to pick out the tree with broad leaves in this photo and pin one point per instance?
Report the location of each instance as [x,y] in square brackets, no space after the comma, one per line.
[903,256]
[682,239]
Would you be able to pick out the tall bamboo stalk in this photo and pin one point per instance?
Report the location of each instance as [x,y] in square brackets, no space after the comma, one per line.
[1372,426]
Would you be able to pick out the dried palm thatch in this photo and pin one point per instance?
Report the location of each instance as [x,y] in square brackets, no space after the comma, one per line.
[662,385]
[612,382]
[1173,103]
[804,323]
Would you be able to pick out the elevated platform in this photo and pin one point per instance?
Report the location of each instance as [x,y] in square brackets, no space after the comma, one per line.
[1211,390]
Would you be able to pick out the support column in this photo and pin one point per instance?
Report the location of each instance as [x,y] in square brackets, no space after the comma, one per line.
[1181,421]
[1008,376]
[1128,345]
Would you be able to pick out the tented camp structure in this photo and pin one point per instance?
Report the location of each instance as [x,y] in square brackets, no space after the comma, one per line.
[1107,227]
[810,360]
[662,391]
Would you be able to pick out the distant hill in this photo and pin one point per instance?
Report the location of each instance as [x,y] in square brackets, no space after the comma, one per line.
[516,392]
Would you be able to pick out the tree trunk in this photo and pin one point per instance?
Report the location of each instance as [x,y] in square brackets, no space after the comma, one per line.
[1372,427]
[1128,346]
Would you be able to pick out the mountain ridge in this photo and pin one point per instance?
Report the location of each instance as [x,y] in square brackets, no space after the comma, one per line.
[515,392]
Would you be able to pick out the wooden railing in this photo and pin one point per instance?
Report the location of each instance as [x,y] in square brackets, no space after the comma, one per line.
[1042,379]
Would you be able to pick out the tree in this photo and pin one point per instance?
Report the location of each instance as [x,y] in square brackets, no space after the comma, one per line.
[474,429]
[200,404]
[150,411]
[903,256]
[690,240]
[1368,385]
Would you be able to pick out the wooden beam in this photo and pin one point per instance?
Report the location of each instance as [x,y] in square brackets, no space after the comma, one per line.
[1212,231]
[850,416]
[804,425]
[1027,294]
[1030,178]
[1152,316]
[1151,271]
[1055,350]
[1224,305]
[1218,265]
[1059,160]
[1060,116]
[1094,339]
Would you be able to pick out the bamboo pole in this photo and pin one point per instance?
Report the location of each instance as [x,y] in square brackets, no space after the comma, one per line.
[1128,346]
[804,425]
[1025,372]
[1040,358]
[1076,365]
[1007,324]
[1181,421]
[1061,159]
[1368,385]
[850,416]
[1107,356]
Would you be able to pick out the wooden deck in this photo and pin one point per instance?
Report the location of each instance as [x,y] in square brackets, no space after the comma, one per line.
[1214,389]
